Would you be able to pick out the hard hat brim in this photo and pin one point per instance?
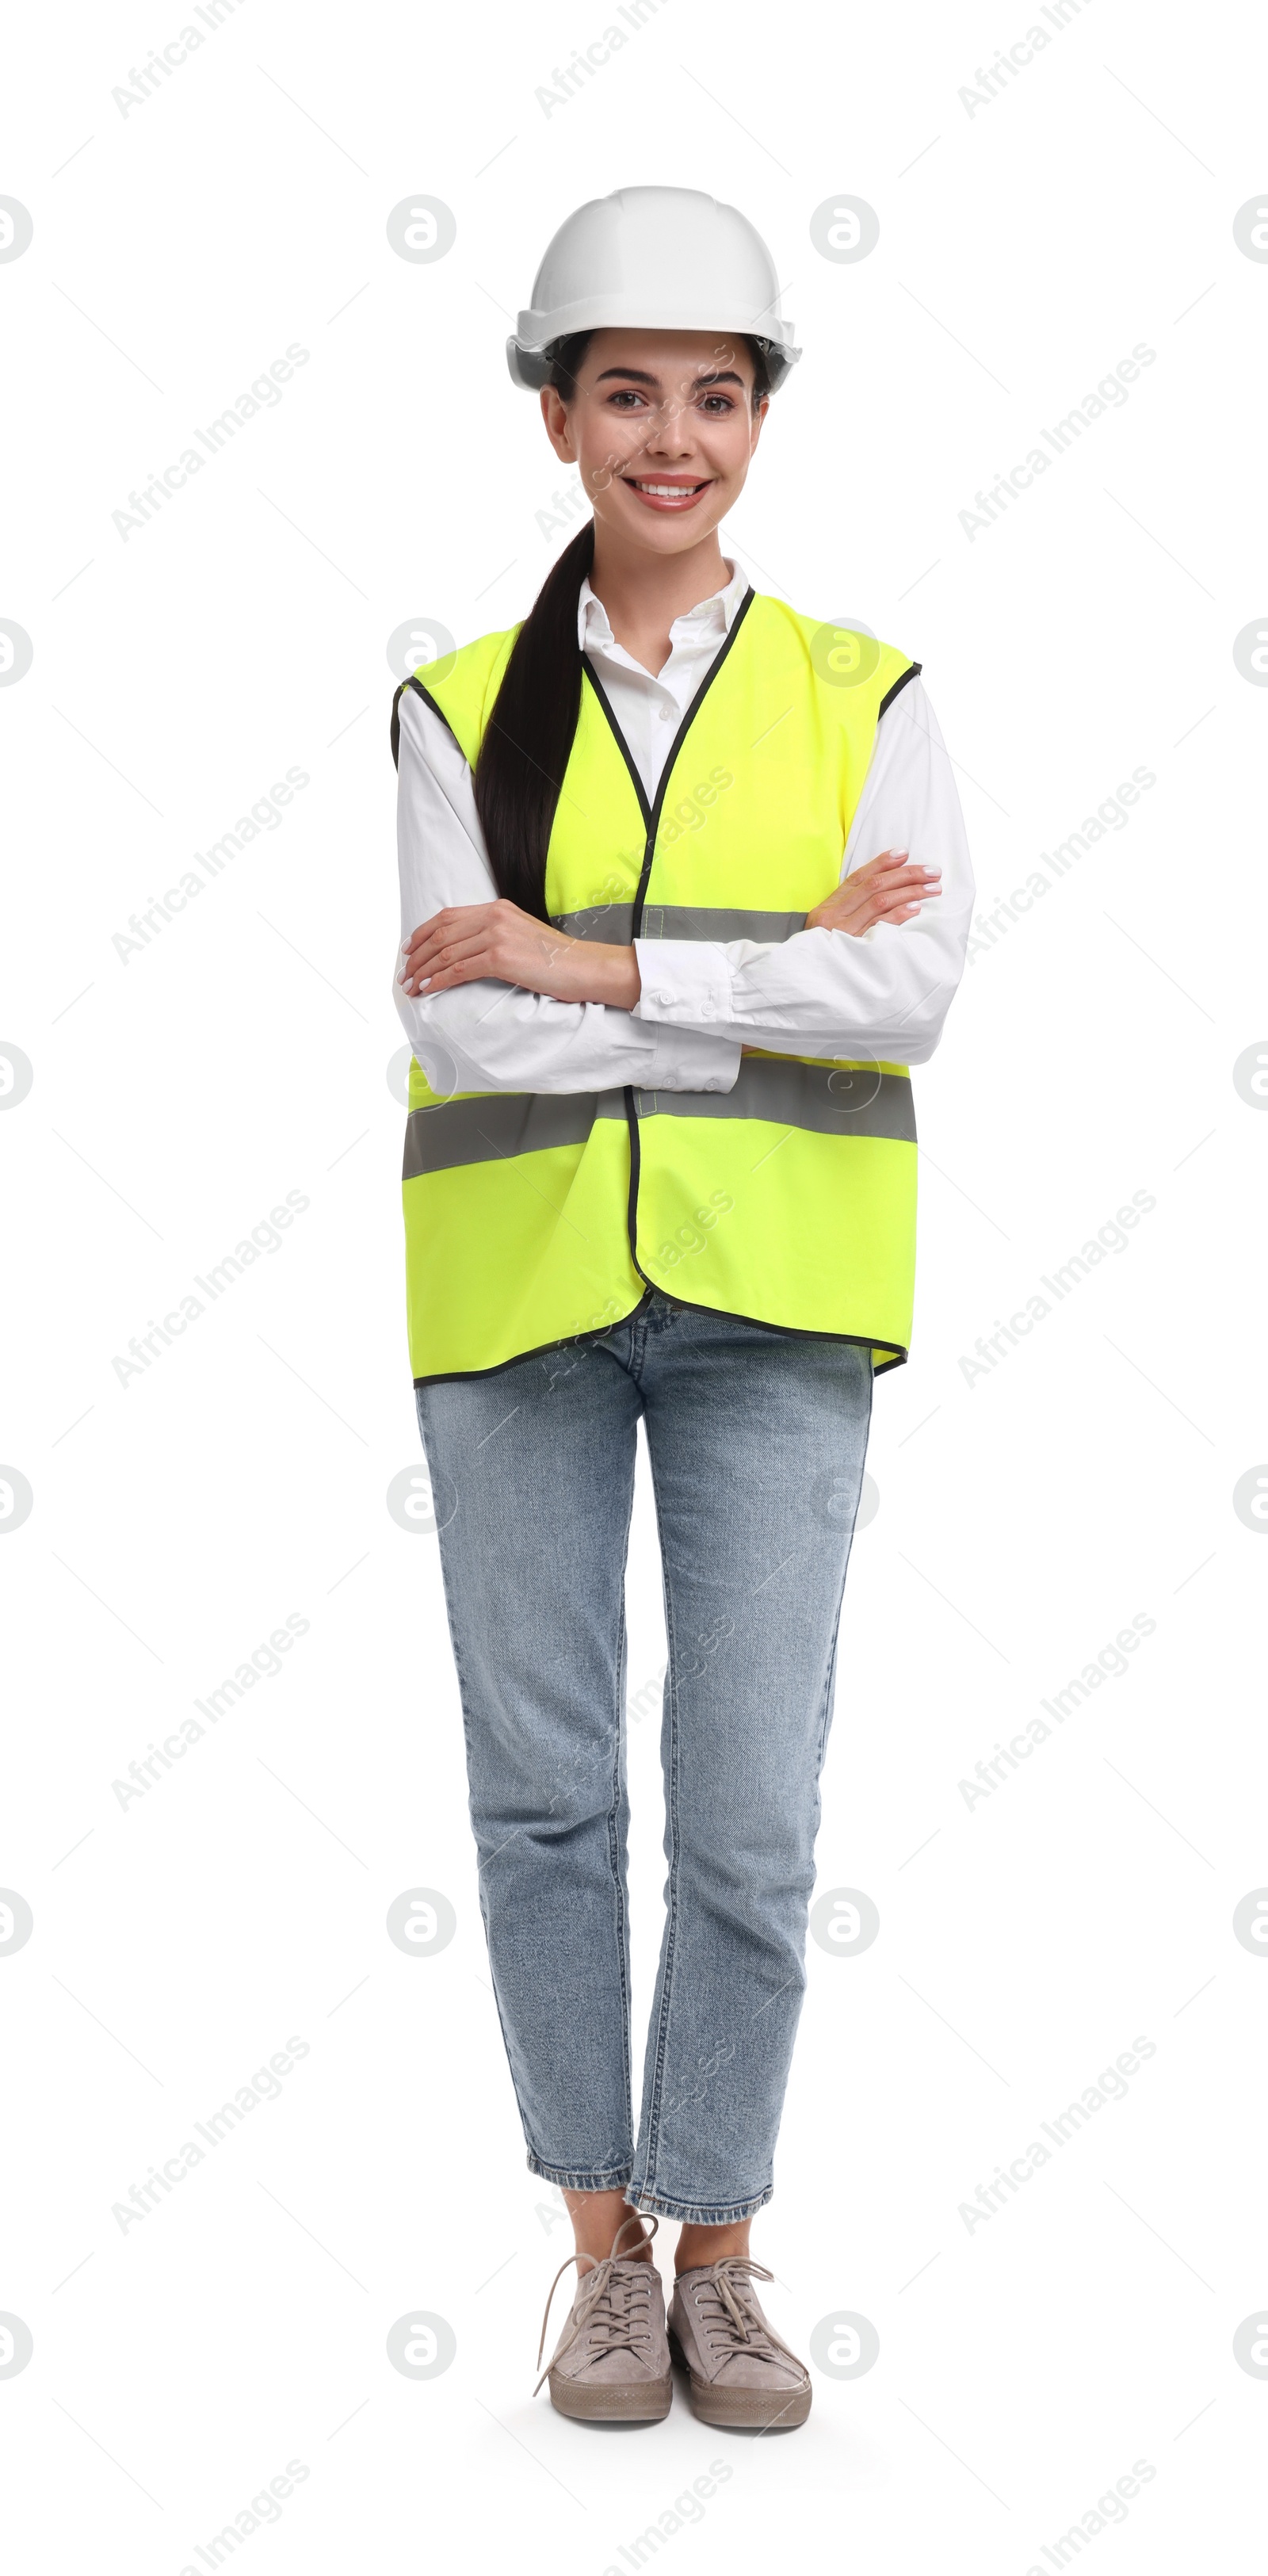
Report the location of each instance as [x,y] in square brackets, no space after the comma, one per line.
[529,350]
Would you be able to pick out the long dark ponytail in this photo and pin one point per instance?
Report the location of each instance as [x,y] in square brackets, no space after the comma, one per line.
[520,768]
[524,754]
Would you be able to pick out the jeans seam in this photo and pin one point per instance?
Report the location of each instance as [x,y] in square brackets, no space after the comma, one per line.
[654,2105]
[825,1712]
[825,1715]
[614,1859]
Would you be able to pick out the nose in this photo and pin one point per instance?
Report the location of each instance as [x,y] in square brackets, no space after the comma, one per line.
[672,433]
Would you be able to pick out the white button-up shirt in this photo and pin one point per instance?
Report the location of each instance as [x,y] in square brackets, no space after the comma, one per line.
[821,992]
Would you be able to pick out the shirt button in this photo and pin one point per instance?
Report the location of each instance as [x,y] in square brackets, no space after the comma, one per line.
[665,714]
[662,998]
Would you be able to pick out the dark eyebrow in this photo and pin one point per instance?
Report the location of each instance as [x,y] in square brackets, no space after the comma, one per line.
[639,376]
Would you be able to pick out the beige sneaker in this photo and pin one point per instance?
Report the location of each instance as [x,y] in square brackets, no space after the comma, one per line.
[740,2370]
[611,2363]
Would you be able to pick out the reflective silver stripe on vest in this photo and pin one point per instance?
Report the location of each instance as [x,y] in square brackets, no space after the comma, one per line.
[829,1100]
[615,923]
[825,1100]
[497,1123]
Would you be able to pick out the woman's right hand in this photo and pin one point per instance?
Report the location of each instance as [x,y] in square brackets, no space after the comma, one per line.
[889,888]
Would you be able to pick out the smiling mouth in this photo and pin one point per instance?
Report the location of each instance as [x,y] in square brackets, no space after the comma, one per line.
[664,492]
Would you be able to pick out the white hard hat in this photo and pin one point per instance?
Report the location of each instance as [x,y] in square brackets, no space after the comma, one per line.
[667,259]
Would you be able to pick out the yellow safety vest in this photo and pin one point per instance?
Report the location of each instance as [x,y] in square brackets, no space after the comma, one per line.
[790,1200]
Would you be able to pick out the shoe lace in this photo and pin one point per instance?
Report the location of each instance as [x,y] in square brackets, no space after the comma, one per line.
[614,2302]
[724,2303]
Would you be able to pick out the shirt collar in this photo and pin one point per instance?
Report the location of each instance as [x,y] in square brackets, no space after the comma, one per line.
[710,618]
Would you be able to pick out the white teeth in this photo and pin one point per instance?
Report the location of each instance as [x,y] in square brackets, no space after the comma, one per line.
[668,491]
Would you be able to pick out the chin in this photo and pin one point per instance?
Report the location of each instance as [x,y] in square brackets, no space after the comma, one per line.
[671,536]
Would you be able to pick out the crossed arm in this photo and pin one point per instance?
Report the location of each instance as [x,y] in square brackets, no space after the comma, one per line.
[467,941]
[492,999]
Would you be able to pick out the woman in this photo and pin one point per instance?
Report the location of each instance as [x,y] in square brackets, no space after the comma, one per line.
[669,860]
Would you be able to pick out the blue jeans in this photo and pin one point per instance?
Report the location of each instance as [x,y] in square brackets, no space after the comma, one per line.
[756,1441]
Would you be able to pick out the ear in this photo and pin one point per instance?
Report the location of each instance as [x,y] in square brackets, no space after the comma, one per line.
[555,416]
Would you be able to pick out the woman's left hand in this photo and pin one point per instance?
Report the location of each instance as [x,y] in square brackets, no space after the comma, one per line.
[471,940]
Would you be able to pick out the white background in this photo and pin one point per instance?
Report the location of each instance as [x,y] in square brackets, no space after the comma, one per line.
[1023,1519]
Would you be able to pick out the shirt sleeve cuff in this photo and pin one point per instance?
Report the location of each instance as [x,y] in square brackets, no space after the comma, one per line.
[691,1060]
[685,983]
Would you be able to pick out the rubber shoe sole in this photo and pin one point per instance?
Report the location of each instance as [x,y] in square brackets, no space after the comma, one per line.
[775,2411]
[644,2401]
